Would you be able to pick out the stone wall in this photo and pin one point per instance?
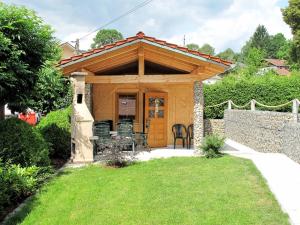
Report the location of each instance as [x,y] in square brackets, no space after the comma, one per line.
[214,126]
[291,141]
[261,130]
[264,131]
[88,96]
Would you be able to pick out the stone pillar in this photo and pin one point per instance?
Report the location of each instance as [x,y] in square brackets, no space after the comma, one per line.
[82,122]
[198,114]
[88,96]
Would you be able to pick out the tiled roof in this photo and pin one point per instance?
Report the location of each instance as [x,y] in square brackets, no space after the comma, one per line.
[139,36]
[276,62]
[283,72]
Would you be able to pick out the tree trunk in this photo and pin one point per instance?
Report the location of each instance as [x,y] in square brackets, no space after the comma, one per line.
[2,112]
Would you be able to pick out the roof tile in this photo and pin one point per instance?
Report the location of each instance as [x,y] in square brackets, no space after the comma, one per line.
[141,35]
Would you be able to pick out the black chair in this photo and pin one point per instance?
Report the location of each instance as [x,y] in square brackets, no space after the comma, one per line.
[102,131]
[190,135]
[179,132]
[125,132]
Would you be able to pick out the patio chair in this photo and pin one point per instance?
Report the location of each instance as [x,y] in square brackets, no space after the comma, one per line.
[179,132]
[190,135]
[101,130]
[126,134]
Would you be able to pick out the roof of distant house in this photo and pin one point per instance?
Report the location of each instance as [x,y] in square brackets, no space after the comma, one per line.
[282,71]
[277,62]
[142,36]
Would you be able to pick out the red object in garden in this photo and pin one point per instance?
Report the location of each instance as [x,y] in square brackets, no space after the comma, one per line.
[29,118]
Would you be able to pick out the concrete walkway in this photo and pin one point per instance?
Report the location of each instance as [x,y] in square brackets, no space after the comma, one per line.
[281,173]
[165,153]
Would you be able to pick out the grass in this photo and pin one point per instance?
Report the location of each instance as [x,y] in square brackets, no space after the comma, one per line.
[181,191]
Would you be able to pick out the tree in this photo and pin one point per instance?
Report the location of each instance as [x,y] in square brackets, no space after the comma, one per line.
[291,16]
[254,60]
[276,43]
[260,38]
[106,36]
[207,49]
[228,54]
[193,46]
[25,44]
[51,92]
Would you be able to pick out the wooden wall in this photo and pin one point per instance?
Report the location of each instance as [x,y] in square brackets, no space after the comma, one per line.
[180,102]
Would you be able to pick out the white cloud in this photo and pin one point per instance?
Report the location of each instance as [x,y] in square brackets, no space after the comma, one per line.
[221,23]
[234,26]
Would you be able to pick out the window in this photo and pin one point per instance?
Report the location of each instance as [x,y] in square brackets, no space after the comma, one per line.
[127,106]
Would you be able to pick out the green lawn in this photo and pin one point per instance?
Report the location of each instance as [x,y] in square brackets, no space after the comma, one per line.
[181,191]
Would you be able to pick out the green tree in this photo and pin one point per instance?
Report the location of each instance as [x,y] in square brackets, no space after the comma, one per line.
[291,16]
[193,46]
[106,36]
[228,54]
[260,38]
[254,60]
[25,44]
[276,43]
[51,92]
[207,49]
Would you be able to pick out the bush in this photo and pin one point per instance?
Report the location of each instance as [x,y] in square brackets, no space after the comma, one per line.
[18,182]
[21,144]
[56,130]
[115,152]
[269,89]
[212,145]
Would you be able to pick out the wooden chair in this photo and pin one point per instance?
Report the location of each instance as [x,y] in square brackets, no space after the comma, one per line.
[190,135]
[179,132]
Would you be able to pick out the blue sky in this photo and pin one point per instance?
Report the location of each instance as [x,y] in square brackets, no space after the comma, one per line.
[221,23]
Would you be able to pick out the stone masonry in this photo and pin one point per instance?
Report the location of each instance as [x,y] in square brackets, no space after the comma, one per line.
[214,126]
[264,131]
[88,96]
[198,114]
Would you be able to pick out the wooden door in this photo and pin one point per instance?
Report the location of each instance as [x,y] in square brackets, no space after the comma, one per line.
[156,111]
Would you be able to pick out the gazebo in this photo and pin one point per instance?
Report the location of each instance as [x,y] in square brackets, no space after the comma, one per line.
[141,77]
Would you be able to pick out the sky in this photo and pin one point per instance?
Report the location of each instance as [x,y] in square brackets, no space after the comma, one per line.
[221,23]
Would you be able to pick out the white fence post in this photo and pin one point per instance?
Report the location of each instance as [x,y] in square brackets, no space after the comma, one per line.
[295,109]
[252,105]
[229,105]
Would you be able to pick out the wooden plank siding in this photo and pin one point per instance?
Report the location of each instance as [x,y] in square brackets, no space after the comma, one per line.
[180,102]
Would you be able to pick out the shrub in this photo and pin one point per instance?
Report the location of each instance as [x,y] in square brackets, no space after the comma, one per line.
[56,130]
[18,182]
[21,144]
[269,89]
[212,145]
[115,152]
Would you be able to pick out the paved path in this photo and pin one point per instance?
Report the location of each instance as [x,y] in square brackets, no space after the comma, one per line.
[282,175]
[165,153]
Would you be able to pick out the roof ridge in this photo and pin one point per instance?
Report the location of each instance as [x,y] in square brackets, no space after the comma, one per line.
[141,35]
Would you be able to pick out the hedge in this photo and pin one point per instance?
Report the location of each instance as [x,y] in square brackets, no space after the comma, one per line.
[56,130]
[20,143]
[268,89]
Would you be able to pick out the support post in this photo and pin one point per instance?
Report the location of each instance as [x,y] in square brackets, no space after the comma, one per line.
[198,114]
[296,109]
[229,105]
[252,105]
[82,122]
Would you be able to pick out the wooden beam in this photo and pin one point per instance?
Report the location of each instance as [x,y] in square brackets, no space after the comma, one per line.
[114,62]
[125,79]
[181,57]
[88,72]
[198,70]
[93,61]
[168,61]
[141,56]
